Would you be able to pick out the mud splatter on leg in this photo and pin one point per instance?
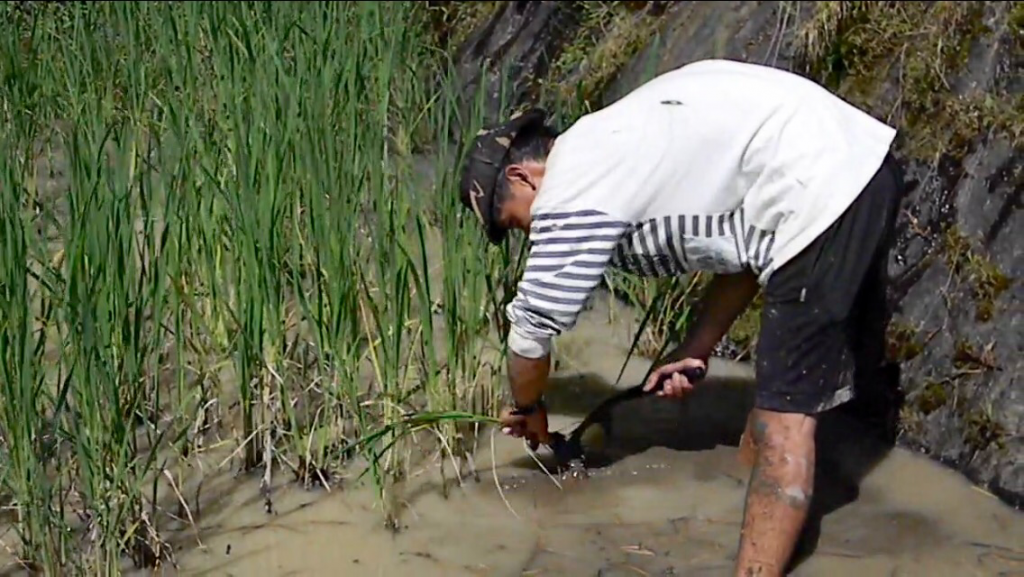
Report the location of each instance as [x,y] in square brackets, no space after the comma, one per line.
[779,493]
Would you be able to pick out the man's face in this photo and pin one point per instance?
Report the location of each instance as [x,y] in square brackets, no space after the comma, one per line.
[524,181]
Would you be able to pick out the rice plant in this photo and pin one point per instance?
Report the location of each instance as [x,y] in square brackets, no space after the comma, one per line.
[212,230]
[664,304]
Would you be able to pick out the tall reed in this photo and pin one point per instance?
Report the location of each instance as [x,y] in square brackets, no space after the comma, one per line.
[226,235]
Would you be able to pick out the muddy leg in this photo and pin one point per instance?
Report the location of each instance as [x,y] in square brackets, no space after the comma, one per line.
[747,449]
[779,493]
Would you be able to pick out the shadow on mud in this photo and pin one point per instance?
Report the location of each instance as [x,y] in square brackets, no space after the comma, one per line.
[714,414]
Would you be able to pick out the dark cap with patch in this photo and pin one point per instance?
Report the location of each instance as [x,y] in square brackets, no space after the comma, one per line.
[483,168]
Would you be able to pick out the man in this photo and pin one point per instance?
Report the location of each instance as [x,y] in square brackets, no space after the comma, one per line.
[758,176]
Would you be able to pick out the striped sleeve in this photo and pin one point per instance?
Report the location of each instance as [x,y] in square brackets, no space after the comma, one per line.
[568,255]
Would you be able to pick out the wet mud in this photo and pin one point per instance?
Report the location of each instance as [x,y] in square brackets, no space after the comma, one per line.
[664,497]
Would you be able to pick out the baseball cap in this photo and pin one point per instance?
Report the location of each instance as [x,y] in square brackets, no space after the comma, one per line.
[482,168]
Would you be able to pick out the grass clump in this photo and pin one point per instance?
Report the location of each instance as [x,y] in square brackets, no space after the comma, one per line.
[932,397]
[979,430]
[982,432]
[902,342]
[984,279]
[665,306]
[745,331]
[453,22]
[967,359]
[213,241]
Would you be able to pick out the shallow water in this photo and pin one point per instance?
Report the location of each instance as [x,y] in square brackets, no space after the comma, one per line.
[667,502]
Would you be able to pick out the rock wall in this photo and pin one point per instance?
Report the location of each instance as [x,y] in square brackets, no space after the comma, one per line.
[948,74]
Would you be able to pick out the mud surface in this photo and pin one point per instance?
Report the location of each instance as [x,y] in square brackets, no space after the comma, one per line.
[666,499]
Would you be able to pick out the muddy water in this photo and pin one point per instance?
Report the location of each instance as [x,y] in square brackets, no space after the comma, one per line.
[666,499]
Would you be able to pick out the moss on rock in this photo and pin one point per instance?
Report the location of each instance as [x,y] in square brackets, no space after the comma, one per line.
[453,22]
[967,358]
[859,48]
[610,34]
[979,430]
[982,432]
[984,279]
[1017,16]
[902,342]
[932,397]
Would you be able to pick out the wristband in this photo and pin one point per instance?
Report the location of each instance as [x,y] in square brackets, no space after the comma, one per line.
[527,410]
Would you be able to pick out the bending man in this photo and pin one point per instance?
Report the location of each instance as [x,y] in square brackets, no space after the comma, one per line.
[756,175]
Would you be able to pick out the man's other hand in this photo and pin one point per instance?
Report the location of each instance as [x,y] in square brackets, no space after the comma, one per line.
[673,382]
[532,427]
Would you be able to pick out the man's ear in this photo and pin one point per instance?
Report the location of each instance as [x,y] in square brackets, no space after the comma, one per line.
[516,173]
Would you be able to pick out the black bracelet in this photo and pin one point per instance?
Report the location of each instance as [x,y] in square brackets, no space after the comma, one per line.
[525,411]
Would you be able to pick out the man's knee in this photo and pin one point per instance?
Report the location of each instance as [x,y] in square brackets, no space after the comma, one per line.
[784,446]
[768,431]
[772,430]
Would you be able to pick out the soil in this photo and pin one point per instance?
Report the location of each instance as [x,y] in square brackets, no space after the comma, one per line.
[665,498]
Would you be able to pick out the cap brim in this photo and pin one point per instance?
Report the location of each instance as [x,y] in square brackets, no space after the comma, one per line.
[484,169]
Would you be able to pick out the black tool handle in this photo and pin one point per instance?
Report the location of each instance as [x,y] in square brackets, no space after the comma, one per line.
[568,449]
[692,374]
[563,449]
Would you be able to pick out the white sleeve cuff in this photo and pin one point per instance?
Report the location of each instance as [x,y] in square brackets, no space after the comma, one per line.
[527,346]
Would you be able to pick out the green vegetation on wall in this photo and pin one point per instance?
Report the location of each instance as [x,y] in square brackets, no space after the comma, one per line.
[984,280]
[901,62]
[860,48]
[452,22]
[610,34]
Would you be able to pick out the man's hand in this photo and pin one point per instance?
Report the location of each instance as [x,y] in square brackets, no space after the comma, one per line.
[723,301]
[673,382]
[532,427]
[527,380]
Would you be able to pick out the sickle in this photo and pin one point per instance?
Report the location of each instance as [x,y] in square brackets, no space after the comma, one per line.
[568,451]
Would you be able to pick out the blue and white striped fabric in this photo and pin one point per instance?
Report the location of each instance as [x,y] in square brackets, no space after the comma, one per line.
[571,251]
[569,254]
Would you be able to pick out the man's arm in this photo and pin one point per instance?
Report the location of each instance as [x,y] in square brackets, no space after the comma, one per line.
[568,256]
[724,300]
[527,378]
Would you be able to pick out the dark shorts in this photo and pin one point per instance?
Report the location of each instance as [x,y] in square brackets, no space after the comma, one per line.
[824,317]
